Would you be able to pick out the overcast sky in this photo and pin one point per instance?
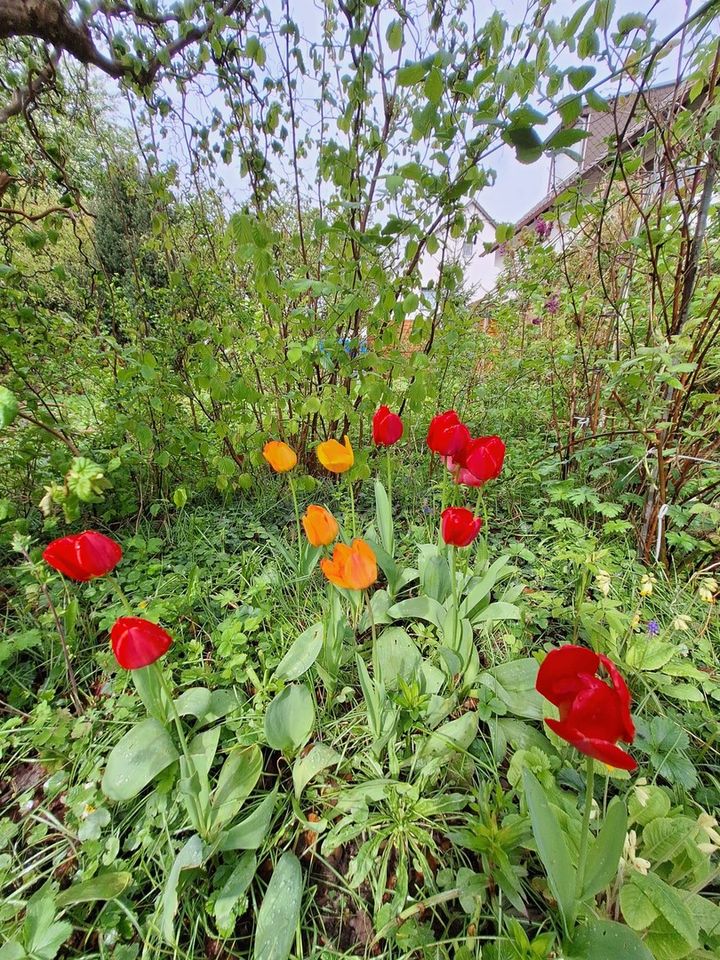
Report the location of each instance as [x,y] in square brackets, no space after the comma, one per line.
[518,187]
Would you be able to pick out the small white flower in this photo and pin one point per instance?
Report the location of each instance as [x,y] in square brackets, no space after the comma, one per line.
[629,860]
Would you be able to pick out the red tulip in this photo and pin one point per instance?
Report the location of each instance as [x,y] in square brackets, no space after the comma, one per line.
[447,435]
[483,458]
[138,643]
[459,527]
[462,475]
[387,427]
[594,714]
[83,556]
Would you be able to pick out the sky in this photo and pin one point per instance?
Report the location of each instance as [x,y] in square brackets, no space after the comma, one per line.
[517,187]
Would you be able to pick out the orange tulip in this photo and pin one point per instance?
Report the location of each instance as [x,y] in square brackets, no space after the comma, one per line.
[353,568]
[320,525]
[336,457]
[279,455]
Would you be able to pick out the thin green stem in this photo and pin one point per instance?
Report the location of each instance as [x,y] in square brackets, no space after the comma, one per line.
[352,506]
[370,617]
[69,672]
[585,829]
[299,537]
[120,594]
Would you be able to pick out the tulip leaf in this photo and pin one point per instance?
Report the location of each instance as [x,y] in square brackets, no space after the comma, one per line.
[605,938]
[239,774]
[551,845]
[395,655]
[514,683]
[143,753]
[497,611]
[290,719]
[193,702]
[234,888]
[607,850]
[434,574]
[320,757]
[470,606]
[280,911]
[383,514]
[452,737]
[250,832]
[419,608]
[302,654]
[106,886]
[191,856]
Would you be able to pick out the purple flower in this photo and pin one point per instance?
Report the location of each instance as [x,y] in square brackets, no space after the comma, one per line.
[543,229]
[653,628]
[552,304]
[536,321]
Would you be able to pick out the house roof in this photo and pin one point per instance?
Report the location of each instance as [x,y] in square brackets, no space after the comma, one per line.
[603,127]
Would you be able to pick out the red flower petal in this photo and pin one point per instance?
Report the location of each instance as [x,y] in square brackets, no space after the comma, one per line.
[137,643]
[558,678]
[601,750]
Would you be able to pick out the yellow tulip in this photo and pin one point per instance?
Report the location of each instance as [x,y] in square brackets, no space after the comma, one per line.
[336,457]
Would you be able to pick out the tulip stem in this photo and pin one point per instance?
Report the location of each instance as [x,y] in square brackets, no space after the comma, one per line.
[453,587]
[389,478]
[585,829]
[299,537]
[352,506]
[74,693]
[370,617]
[119,592]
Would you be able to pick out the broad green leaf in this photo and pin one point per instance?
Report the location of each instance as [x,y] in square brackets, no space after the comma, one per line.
[411,73]
[565,138]
[419,608]
[394,35]
[8,407]
[434,574]
[383,516]
[497,611]
[395,655]
[638,912]
[320,757]
[606,940]
[233,889]
[12,950]
[250,832]
[579,77]
[667,902]
[280,911]
[106,886]
[514,683]
[606,851]
[552,846]
[665,837]
[451,737]
[144,752]
[290,719]
[47,942]
[239,774]
[302,654]
[190,856]
[648,803]
[470,605]
[195,702]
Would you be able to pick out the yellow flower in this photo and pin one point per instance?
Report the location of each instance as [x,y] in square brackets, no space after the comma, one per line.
[635,622]
[336,457]
[280,456]
[708,824]
[647,583]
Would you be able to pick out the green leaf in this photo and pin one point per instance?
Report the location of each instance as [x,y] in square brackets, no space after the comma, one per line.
[233,889]
[604,939]
[290,719]
[46,943]
[607,850]
[580,76]
[665,837]
[180,497]
[106,886]
[279,912]
[419,608]
[514,683]
[451,737]
[239,774]
[395,655]
[383,515]
[8,407]
[250,832]
[191,856]
[469,606]
[565,138]
[411,73]
[320,757]
[434,86]
[667,902]
[12,950]
[552,846]
[301,655]
[394,35]
[497,611]
[143,753]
